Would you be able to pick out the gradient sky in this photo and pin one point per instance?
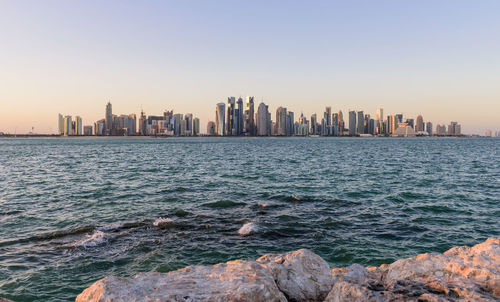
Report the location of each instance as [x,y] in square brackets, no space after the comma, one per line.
[440,59]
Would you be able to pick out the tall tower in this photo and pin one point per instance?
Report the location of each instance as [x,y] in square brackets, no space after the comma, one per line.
[420,124]
[281,121]
[380,119]
[230,126]
[360,123]
[109,119]
[262,120]
[249,116]
[220,119]
[352,122]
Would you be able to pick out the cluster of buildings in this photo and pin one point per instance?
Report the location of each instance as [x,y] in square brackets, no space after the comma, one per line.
[239,118]
[168,124]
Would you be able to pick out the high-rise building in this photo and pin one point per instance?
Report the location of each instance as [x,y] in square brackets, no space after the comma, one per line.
[143,124]
[428,127]
[440,130]
[341,123]
[178,124]
[189,124]
[68,125]
[239,121]
[389,124]
[60,124]
[249,116]
[396,120]
[78,129]
[230,125]
[380,119]
[263,120]
[314,124]
[411,123]
[419,127]
[99,127]
[360,123]
[196,126]
[454,129]
[290,121]
[352,122]
[87,130]
[211,128]
[109,119]
[328,120]
[220,119]
[281,121]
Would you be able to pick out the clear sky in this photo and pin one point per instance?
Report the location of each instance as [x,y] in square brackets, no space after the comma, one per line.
[437,58]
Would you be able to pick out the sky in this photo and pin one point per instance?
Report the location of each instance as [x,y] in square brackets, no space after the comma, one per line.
[440,59]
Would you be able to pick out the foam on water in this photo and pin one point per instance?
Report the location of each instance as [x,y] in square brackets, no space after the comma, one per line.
[91,240]
[163,222]
[248,229]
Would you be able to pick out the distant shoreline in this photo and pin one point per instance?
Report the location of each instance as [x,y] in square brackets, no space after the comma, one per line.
[216,136]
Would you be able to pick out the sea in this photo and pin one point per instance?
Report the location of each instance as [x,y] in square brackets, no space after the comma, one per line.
[74,210]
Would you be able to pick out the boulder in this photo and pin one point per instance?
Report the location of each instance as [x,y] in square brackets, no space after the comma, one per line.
[231,281]
[461,273]
[301,275]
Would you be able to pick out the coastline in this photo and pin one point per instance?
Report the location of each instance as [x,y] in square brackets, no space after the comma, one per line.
[461,273]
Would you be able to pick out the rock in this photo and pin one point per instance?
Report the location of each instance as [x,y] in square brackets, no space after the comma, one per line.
[461,273]
[231,281]
[301,275]
[5,300]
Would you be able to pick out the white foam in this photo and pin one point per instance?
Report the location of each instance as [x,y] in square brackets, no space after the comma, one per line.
[262,204]
[163,222]
[248,229]
[108,228]
[95,239]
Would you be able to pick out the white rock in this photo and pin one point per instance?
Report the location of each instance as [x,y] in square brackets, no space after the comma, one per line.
[301,275]
[231,281]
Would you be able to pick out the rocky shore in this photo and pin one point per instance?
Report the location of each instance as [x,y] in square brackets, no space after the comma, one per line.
[460,274]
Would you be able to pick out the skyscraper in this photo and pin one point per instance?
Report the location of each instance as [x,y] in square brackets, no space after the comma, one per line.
[328,120]
[352,122]
[314,124]
[360,123]
[230,126]
[249,116]
[143,124]
[78,126]
[428,128]
[189,124]
[290,119]
[211,128]
[220,119]
[263,120]
[109,119]
[281,121]
[239,121]
[196,126]
[419,127]
[68,125]
[380,119]
[60,124]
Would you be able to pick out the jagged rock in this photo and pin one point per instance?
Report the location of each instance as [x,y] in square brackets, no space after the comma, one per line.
[301,275]
[461,273]
[231,281]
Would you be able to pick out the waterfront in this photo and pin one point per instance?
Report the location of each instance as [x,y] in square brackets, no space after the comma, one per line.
[75,210]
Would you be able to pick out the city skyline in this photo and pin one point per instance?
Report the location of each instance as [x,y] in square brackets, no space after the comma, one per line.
[442,62]
[241,119]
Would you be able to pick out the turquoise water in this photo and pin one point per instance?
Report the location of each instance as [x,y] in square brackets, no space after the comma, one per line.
[75,210]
